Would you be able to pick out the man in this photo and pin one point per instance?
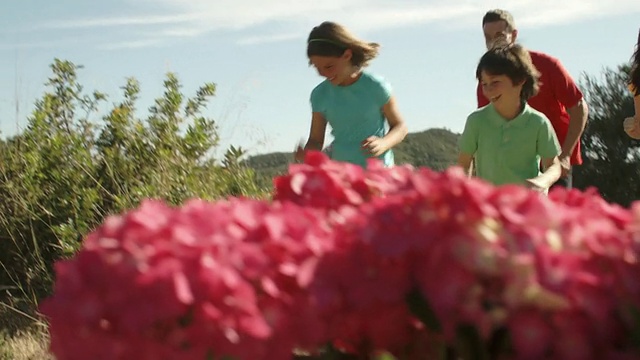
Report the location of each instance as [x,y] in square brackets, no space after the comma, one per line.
[559,98]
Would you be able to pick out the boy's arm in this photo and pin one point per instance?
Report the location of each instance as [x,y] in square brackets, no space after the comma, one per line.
[552,171]
[468,144]
[465,161]
[548,147]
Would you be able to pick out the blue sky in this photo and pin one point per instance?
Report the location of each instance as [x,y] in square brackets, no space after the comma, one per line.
[254,50]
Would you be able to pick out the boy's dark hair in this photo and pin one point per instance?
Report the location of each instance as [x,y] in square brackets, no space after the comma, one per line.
[514,62]
[498,15]
[635,68]
[332,39]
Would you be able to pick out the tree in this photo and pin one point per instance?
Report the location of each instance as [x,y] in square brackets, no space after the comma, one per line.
[70,168]
[611,158]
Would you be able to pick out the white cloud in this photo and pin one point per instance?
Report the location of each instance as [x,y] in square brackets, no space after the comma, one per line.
[180,32]
[135,44]
[537,13]
[37,44]
[119,21]
[262,39]
[291,19]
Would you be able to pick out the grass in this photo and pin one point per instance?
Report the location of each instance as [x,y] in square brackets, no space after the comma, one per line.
[22,336]
[25,345]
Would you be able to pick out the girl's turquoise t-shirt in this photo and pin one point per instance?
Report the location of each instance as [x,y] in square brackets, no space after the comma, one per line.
[354,113]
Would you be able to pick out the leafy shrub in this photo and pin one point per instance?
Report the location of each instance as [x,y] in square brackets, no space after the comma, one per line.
[70,168]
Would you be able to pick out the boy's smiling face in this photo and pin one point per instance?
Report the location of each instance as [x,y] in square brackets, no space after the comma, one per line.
[500,88]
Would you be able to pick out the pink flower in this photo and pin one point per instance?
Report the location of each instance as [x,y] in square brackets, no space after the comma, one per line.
[531,334]
[228,278]
[322,183]
[334,257]
[445,284]
[573,337]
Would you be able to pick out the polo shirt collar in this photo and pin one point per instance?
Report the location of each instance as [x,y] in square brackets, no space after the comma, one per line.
[518,121]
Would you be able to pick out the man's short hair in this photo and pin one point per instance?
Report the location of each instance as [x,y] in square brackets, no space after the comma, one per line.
[498,15]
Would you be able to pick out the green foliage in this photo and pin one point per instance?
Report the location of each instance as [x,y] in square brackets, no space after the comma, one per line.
[66,171]
[611,158]
[268,166]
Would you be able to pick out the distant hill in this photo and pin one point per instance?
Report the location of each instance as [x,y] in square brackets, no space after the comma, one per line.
[434,148]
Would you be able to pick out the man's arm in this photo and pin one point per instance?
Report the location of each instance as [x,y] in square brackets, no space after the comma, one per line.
[567,93]
[578,115]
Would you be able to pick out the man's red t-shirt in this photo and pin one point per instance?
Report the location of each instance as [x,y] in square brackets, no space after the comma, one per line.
[558,92]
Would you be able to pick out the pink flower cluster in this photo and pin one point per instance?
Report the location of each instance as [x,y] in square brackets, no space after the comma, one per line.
[322,183]
[206,280]
[397,259]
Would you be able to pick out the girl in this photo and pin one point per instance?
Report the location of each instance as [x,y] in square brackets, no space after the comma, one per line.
[632,124]
[508,138]
[353,101]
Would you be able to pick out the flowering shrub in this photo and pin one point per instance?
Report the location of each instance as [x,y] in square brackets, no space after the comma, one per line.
[216,280]
[401,260]
[322,183]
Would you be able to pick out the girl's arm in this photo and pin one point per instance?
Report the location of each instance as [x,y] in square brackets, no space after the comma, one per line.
[397,131]
[632,124]
[317,132]
[552,170]
[397,128]
[316,136]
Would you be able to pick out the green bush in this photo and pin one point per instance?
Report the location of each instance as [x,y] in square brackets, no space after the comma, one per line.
[70,168]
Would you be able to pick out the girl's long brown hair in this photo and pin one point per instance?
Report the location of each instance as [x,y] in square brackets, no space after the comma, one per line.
[635,68]
[332,39]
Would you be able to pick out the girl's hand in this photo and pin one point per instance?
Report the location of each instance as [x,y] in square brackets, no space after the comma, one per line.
[298,153]
[375,146]
[632,127]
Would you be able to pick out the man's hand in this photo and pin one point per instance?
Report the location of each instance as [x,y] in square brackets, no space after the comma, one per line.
[375,146]
[632,127]
[565,164]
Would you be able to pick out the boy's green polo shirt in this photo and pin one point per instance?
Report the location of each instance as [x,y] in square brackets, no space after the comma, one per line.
[508,151]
